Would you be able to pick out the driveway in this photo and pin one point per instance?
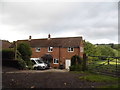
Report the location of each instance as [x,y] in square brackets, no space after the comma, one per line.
[37,71]
[51,78]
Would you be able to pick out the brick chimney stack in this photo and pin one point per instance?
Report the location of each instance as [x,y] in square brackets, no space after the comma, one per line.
[30,37]
[49,36]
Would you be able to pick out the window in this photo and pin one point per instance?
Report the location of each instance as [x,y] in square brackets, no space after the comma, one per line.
[50,49]
[55,61]
[37,49]
[81,49]
[70,49]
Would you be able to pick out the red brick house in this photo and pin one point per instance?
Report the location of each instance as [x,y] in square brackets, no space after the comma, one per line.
[61,49]
[5,44]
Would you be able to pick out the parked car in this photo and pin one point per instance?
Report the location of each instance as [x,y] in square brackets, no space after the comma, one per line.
[38,64]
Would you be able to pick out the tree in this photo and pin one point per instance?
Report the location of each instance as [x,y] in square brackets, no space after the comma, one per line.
[90,49]
[25,52]
[106,50]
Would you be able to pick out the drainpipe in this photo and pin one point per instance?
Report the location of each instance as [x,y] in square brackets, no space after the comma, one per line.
[59,55]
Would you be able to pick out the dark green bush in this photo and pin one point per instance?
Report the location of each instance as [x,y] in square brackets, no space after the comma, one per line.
[76,60]
[8,54]
[22,64]
[76,67]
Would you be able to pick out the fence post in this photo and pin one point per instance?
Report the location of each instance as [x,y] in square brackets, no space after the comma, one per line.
[108,61]
[116,67]
[84,62]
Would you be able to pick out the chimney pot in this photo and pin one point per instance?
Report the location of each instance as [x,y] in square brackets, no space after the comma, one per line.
[49,36]
[30,37]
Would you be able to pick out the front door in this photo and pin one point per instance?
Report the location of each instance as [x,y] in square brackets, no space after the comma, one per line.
[67,64]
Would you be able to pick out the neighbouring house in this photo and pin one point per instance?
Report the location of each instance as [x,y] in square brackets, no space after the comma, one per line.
[60,50]
[5,44]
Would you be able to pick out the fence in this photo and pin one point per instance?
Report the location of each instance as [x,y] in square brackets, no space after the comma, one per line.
[104,65]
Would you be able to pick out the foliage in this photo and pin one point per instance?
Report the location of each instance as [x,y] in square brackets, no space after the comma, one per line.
[25,51]
[106,51]
[75,60]
[76,63]
[101,50]
[22,64]
[8,54]
[76,67]
[98,78]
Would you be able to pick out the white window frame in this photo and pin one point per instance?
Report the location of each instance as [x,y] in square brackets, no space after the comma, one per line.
[36,49]
[50,49]
[70,50]
[55,62]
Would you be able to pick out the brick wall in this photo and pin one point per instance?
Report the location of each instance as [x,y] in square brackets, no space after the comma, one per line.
[58,53]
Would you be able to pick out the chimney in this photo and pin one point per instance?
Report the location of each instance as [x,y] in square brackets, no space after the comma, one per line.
[30,37]
[49,36]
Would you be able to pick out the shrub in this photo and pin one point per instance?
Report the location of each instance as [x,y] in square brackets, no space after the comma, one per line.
[22,64]
[76,67]
[26,52]
[8,54]
[76,60]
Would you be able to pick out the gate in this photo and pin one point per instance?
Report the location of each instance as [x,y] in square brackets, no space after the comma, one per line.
[104,65]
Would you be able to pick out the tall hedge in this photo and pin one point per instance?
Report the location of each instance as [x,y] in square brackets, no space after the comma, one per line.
[8,54]
[75,60]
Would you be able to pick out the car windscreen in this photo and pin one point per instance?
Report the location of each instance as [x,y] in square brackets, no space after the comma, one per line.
[33,61]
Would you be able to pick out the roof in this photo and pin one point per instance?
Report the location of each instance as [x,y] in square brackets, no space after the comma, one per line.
[54,42]
[5,44]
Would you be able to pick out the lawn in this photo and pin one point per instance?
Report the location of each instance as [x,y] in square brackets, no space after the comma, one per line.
[112,62]
[97,78]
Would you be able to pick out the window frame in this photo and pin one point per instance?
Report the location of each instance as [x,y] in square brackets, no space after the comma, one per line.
[55,62]
[70,50]
[50,50]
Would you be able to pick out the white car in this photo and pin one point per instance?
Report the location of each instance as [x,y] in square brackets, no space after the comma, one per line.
[38,64]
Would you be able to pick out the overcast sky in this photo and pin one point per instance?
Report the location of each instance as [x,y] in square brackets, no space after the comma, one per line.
[96,22]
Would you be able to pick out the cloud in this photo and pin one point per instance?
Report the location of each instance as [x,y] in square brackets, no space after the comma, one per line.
[92,20]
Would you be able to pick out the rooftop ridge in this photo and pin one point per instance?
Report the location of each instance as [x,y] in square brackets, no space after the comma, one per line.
[52,38]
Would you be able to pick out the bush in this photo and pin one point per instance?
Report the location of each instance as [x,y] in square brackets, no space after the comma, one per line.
[76,60]
[76,67]
[29,64]
[8,54]
[22,64]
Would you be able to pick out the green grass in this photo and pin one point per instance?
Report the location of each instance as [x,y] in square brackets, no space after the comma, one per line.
[112,62]
[98,78]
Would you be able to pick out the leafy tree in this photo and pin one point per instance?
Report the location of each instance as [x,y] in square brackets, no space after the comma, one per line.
[90,49]
[25,52]
[106,51]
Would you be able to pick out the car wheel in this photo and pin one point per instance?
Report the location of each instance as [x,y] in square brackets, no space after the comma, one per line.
[43,67]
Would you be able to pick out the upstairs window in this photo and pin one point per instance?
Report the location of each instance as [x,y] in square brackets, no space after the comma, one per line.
[55,61]
[37,49]
[50,49]
[70,49]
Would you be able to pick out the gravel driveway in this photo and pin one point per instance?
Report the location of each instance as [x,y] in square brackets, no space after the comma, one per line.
[45,79]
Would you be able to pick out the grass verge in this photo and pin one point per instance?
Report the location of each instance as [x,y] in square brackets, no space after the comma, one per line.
[98,78]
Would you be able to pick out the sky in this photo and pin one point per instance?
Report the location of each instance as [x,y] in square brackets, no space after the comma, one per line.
[96,21]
